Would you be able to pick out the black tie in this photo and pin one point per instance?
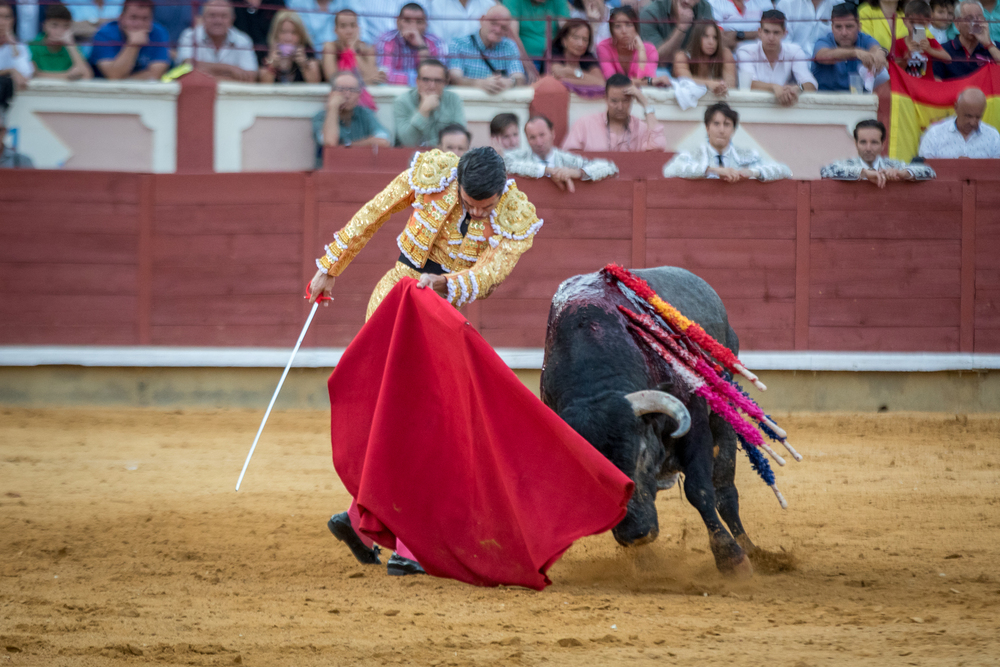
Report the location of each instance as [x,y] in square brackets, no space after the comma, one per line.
[719,158]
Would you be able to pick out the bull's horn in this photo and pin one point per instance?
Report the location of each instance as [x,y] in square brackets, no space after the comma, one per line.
[644,402]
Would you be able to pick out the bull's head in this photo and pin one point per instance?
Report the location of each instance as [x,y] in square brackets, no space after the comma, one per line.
[640,524]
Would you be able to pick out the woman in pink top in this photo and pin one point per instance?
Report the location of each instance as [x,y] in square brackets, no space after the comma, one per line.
[625,52]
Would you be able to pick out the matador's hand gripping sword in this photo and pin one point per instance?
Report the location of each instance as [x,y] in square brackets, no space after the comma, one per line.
[312,313]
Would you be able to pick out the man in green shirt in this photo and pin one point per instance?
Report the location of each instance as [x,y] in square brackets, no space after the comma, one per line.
[424,111]
[532,31]
[667,24]
[344,122]
[54,51]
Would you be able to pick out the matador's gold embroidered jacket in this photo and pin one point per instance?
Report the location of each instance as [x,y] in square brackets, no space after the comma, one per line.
[477,263]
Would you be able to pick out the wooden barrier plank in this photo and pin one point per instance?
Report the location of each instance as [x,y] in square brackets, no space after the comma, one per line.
[69,248]
[574,255]
[499,313]
[69,310]
[612,193]
[756,314]
[900,313]
[227,219]
[967,326]
[854,224]
[766,339]
[223,280]
[223,189]
[925,196]
[677,193]
[987,340]
[522,337]
[987,278]
[147,193]
[585,224]
[56,217]
[884,339]
[803,270]
[846,282]
[67,333]
[879,254]
[695,254]
[83,280]
[718,223]
[215,310]
[762,284]
[987,220]
[75,187]
[242,250]
[987,311]
[964,169]
[229,335]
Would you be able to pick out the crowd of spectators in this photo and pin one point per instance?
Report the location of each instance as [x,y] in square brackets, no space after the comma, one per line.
[602,48]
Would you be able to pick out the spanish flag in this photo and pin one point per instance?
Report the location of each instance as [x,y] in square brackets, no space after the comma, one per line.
[917,103]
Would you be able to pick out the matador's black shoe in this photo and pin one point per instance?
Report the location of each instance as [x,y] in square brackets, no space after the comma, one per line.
[340,526]
[398,566]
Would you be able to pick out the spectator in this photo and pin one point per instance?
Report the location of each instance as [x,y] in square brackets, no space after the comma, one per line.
[29,20]
[616,129]
[54,51]
[739,19]
[964,134]
[318,17]
[455,139]
[718,158]
[572,60]
[254,18]
[808,20]
[344,122]
[625,52]
[874,16]
[772,64]
[531,30]
[15,58]
[380,17]
[669,25]
[541,158]
[422,113]
[89,16]
[597,14]
[9,158]
[455,19]
[133,47]
[870,165]
[401,50]
[217,48]
[973,47]
[844,50]
[489,59]
[505,135]
[349,54]
[991,10]
[706,60]
[175,16]
[290,58]
[942,20]
[915,51]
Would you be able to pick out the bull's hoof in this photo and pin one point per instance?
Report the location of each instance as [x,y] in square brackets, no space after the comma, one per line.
[668,482]
[639,541]
[741,569]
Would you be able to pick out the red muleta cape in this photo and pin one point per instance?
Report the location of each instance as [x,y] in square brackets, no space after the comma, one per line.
[442,446]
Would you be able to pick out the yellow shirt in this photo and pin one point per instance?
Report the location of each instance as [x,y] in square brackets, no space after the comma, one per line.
[874,23]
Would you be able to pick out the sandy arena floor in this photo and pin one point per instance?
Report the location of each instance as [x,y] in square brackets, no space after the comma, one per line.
[123,542]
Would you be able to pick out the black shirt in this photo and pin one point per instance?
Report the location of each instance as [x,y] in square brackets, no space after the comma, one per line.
[256,23]
[962,63]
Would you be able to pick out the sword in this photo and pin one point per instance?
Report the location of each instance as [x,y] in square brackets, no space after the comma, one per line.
[312,313]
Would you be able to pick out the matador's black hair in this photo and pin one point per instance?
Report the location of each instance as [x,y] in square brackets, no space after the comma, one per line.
[482,173]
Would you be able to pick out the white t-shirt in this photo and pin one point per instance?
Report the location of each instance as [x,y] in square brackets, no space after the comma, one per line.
[17,57]
[806,22]
[450,20]
[943,141]
[792,63]
[729,17]
[237,50]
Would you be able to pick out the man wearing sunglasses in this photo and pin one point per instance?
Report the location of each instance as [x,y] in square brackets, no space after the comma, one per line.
[423,112]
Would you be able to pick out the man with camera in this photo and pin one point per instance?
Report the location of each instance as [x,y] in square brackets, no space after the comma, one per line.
[973,47]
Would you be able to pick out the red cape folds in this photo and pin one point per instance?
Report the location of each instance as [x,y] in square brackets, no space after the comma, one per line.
[442,445]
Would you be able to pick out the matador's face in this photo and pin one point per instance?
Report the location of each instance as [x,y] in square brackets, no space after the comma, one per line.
[478,208]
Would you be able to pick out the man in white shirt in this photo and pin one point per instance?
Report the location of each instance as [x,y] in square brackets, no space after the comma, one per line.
[453,19]
[541,158]
[739,19]
[772,63]
[217,48]
[719,159]
[964,134]
[808,20]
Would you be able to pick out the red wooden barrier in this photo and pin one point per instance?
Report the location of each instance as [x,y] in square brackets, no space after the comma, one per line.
[90,258]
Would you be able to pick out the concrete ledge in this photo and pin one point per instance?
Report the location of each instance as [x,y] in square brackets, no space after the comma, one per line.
[517,358]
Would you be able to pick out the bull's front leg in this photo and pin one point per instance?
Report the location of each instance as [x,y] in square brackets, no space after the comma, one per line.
[695,452]
[724,480]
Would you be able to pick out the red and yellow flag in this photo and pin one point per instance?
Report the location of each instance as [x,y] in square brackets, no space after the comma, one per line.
[917,103]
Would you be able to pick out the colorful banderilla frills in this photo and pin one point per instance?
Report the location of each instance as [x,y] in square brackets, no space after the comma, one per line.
[684,353]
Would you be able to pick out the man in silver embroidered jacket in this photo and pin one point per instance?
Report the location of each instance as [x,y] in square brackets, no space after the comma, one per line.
[871,165]
[718,158]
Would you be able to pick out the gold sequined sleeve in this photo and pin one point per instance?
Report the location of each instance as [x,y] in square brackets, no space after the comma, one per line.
[514,229]
[349,241]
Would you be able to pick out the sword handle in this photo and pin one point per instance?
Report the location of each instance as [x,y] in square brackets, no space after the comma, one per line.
[321,297]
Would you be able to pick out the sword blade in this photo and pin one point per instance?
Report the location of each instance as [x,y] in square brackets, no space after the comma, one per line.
[267,414]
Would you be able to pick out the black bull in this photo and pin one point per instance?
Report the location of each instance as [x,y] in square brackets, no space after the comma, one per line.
[592,363]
